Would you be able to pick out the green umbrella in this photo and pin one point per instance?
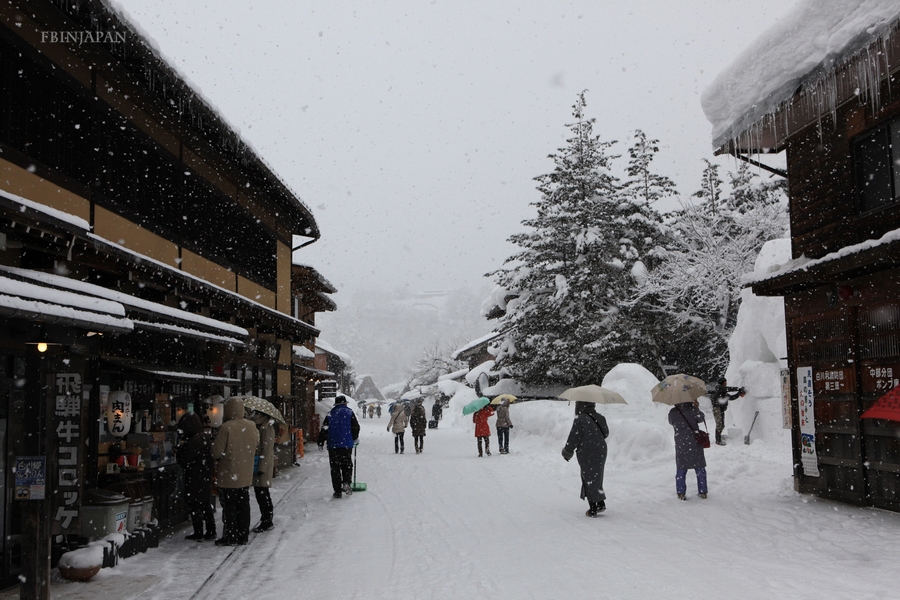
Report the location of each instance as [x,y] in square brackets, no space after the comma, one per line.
[474,405]
[263,406]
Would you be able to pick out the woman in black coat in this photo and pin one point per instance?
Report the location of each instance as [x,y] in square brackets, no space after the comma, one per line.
[685,418]
[193,454]
[588,439]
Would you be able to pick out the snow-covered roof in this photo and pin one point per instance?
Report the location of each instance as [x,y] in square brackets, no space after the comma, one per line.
[326,286]
[475,343]
[24,204]
[803,52]
[455,375]
[128,301]
[326,347]
[303,352]
[803,263]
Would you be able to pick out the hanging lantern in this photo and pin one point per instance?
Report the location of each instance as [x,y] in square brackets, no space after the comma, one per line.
[216,410]
[118,413]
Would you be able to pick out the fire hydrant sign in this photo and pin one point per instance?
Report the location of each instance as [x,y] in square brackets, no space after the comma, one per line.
[31,477]
[806,412]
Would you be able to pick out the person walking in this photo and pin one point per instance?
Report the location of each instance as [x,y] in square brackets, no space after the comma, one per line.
[397,423]
[504,424]
[371,408]
[378,410]
[363,410]
[234,449]
[482,429]
[685,418]
[264,471]
[587,438]
[341,431]
[719,400]
[418,422]
[194,456]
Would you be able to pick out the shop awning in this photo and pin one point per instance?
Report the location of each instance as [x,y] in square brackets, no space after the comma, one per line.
[313,373]
[176,331]
[166,375]
[849,262]
[33,302]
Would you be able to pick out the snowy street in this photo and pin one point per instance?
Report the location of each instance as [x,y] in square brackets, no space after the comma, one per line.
[447,524]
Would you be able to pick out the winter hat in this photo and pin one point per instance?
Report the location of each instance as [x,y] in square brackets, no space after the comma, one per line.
[340,400]
[722,381]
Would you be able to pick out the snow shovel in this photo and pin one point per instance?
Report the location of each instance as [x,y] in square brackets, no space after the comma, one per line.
[356,487]
[747,437]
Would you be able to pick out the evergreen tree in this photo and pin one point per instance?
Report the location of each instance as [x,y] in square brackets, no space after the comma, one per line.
[574,268]
[645,186]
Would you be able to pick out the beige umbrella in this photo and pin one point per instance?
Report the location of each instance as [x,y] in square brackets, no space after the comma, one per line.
[263,406]
[503,397]
[592,393]
[678,389]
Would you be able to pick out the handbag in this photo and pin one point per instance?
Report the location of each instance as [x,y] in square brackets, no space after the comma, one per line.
[701,436]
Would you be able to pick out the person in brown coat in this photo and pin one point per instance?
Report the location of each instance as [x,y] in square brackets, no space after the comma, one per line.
[265,467]
[234,449]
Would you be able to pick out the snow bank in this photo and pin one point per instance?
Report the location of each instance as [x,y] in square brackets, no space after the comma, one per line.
[83,558]
[807,44]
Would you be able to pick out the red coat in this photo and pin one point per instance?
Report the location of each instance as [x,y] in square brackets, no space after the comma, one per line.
[480,419]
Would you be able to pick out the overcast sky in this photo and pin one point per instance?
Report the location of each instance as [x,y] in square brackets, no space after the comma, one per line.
[413,130]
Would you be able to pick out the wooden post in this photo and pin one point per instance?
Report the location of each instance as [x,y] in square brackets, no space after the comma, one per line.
[35,513]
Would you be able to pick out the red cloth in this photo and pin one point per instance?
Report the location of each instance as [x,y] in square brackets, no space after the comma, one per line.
[887,407]
[482,429]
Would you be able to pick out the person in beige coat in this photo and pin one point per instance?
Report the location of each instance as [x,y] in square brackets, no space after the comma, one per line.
[265,468]
[234,449]
[397,423]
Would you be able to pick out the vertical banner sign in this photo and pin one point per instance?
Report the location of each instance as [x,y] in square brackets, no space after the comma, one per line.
[67,425]
[806,413]
[785,398]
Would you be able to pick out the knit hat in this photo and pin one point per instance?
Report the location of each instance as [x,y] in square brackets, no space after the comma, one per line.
[340,400]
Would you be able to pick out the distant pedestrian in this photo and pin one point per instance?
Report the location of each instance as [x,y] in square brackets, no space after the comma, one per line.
[371,408]
[418,422]
[587,438]
[685,418]
[397,424]
[437,410]
[363,410]
[719,401]
[482,429]
[264,471]
[340,431]
[194,456]
[378,410]
[504,424]
[234,449]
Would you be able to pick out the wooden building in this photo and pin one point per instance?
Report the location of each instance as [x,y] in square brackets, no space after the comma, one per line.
[145,253]
[835,112]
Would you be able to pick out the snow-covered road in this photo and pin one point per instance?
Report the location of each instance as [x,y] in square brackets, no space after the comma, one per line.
[447,524]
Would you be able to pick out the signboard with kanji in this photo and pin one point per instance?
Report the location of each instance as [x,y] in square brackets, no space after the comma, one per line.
[69,441]
[806,414]
[879,379]
[835,381]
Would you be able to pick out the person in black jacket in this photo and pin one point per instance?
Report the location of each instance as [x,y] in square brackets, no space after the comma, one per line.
[719,400]
[588,439]
[193,454]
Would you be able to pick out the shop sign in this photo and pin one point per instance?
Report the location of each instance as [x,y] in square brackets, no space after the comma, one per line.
[785,398]
[67,425]
[806,413]
[118,413]
[31,477]
[880,379]
[835,381]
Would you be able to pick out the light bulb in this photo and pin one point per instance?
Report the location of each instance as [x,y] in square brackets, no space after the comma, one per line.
[42,347]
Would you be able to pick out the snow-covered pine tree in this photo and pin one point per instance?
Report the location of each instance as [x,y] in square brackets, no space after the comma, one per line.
[573,269]
[643,185]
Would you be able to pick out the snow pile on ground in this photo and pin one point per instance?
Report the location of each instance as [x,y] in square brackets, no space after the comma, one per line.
[808,42]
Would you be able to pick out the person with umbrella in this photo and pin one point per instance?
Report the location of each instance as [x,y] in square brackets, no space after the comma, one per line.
[587,438]
[482,429]
[397,423]
[504,424]
[681,393]
[341,431]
